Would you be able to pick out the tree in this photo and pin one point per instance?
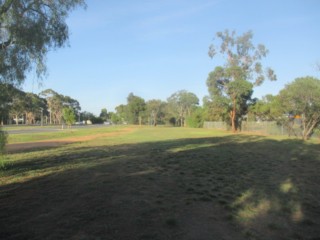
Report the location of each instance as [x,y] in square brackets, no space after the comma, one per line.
[231,85]
[35,107]
[115,118]
[122,113]
[267,109]
[6,99]
[28,30]
[135,107]
[181,104]
[56,102]
[73,103]
[196,119]
[155,111]
[69,116]
[104,114]
[55,105]
[302,97]
[18,106]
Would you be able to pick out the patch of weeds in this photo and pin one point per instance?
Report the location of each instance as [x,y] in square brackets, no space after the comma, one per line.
[4,164]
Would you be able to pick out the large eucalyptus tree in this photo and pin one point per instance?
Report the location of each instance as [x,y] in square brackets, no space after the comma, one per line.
[231,85]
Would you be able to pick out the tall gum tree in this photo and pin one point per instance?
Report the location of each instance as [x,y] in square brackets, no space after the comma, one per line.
[231,85]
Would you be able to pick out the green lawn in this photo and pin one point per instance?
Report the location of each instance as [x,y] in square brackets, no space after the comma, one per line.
[162,183]
[60,134]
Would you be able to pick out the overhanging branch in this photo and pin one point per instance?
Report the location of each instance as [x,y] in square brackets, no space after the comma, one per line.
[6,44]
[6,6]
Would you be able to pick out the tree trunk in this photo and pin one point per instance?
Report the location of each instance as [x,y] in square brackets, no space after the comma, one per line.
[233,116]
[308,128]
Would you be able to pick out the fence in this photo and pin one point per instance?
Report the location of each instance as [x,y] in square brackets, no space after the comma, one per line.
[265,128]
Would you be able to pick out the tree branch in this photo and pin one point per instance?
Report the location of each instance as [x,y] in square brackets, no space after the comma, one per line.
[6,44]
[6,6]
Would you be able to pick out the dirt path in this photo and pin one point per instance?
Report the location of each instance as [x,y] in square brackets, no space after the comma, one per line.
[20,147]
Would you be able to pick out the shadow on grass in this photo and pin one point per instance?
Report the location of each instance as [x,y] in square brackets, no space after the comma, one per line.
[231,187]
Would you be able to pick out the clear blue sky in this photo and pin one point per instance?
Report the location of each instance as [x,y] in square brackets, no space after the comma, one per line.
[155,48]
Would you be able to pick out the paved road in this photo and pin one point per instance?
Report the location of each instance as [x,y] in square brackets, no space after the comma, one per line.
[37,129]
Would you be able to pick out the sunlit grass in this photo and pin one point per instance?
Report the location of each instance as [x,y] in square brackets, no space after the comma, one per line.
[60,134]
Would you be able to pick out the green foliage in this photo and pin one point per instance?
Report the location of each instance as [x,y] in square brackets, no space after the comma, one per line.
[56,103]
[115,118]
[231,86]
[122,113]
[243,57]
[6,99]
[302,97]
[196,119]
[155,111]
[231,95]
[267,109]
[135,109]
[69,116]
[104,114]
[28,30]
[181,104]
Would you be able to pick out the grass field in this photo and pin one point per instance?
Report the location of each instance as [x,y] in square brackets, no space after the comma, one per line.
[160,183]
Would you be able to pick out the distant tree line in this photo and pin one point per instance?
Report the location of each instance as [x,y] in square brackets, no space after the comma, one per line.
[47,107]
[178,110]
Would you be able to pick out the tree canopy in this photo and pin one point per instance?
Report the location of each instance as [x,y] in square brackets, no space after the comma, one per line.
[28,30]
[302,97]
[135,108]
[69,116]
[181,104]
